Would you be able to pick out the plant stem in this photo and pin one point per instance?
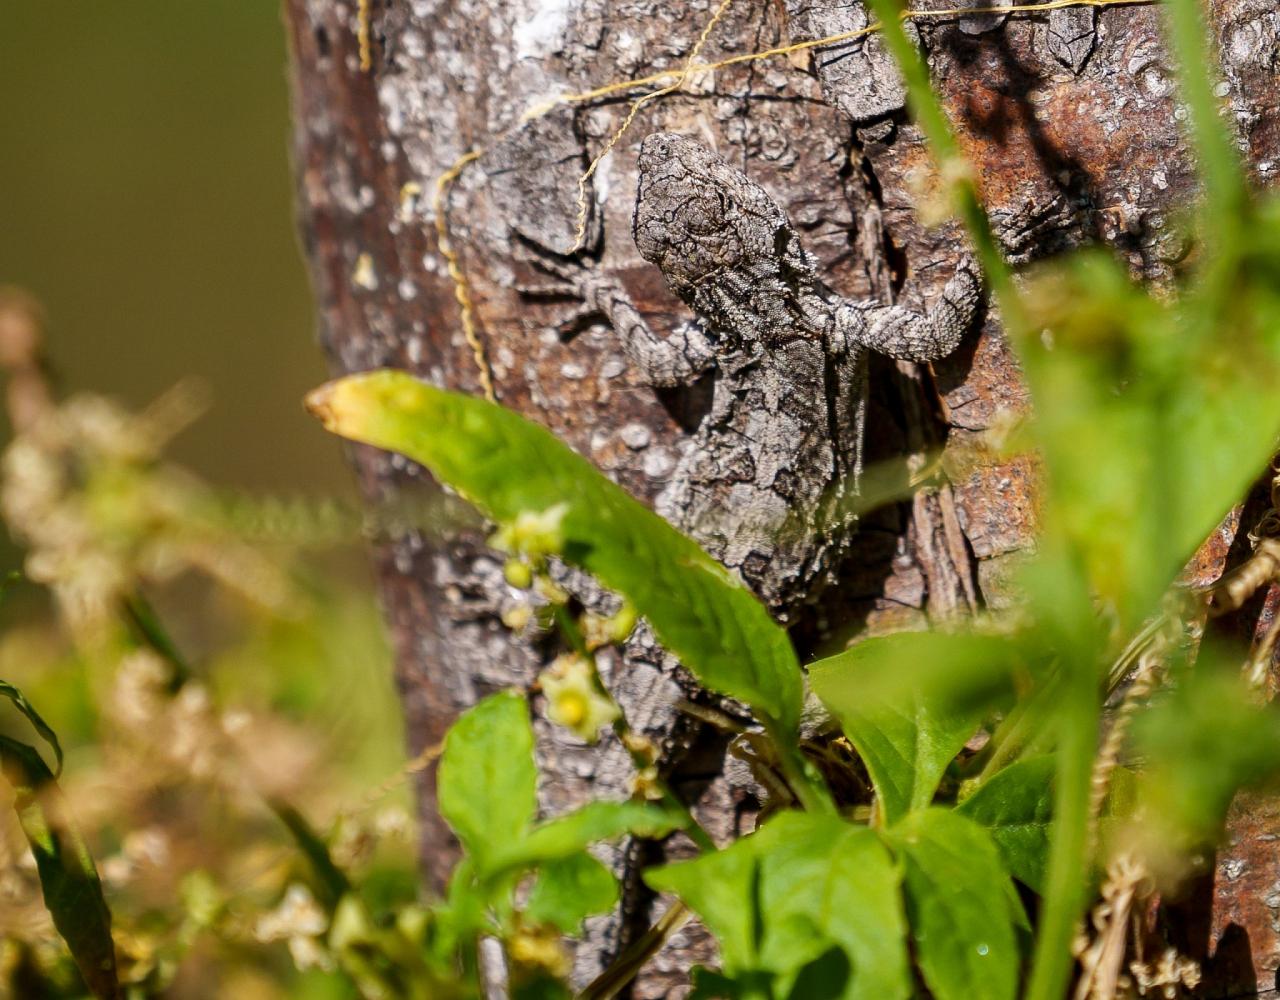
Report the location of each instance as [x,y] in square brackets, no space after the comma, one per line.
[1064,898]
[150,631]
[578,643]
[952,165]
[1224,185]
[1079,706]
[801,775]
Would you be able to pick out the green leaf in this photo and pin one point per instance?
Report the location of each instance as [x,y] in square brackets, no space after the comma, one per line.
[1015,806]
[567,835]
[68,877]
[908,734]
[540,986]
[46,732]
[711,985]
[1204,740]
[778,900]
[959,906]
[1128,502]
[507,465]
[487,782]
[569,890]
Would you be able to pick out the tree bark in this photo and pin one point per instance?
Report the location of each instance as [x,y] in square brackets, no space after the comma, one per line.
[1070,118]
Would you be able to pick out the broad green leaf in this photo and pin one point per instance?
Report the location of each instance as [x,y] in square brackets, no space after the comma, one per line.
[567,835]
[711,985]
[959,905]
[68,877]
[1127,500]
[508,466]
[487,782]
[46,732]
[1015,806]
[539,986]
[778,900]
[568,890]
[906,734]
[1204,741]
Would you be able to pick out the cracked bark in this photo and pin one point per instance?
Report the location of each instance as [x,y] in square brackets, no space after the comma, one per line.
[1072,122]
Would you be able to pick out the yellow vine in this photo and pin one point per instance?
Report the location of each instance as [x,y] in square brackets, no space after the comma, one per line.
[678,78]
[363,35]
[461,287]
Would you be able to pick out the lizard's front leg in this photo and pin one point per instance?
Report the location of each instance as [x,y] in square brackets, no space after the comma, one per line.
[911,336]
[663,362]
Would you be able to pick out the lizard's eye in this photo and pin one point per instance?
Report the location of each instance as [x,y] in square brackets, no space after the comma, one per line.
[706,215]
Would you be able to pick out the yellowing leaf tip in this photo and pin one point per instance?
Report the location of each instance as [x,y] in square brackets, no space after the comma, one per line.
[319,403]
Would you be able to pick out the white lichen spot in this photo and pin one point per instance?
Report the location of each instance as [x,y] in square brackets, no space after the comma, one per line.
[389,96]
[364,275]
[573,371]
[603,179]
[613,368]
[539,33]
[407,289]
[635,436]
[1159,179]
[415,46]
[658,463]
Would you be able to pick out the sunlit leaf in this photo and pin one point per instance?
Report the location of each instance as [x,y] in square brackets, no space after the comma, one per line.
[1203,741]
[487,781]
[906,734]
[1115,372]
[568,890]
[959,905]
[509,466]
[567,835]
[778,900]
[46,732]
[1016,807]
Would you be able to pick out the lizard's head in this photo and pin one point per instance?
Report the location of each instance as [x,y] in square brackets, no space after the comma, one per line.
[723,244]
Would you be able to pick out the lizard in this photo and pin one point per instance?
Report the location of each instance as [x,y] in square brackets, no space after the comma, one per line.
[765,482]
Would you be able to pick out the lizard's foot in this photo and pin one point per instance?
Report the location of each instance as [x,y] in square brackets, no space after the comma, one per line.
[575,282]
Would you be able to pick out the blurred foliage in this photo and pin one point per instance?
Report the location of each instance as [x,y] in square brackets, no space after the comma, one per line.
[232,738]
[148,203]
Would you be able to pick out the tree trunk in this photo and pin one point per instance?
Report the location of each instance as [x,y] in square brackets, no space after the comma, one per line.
[1070,118]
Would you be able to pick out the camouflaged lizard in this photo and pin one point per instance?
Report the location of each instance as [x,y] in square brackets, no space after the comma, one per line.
[766,482]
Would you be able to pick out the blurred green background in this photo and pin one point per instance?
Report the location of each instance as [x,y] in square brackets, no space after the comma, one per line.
[146,199]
